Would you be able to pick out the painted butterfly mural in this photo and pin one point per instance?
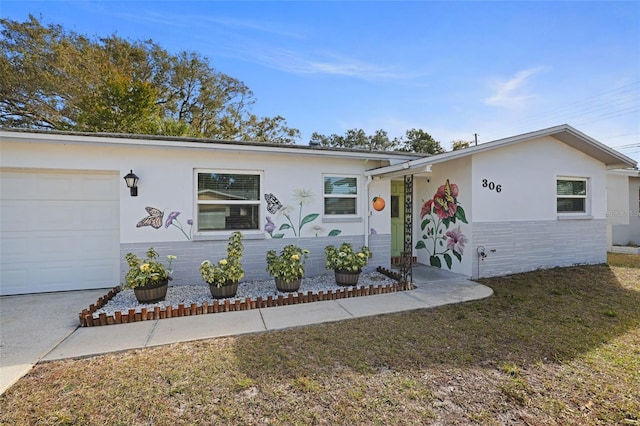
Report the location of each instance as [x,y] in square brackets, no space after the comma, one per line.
[154,219]
[273,204]
[445,200]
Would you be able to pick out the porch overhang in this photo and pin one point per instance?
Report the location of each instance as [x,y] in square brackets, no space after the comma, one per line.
[399,170]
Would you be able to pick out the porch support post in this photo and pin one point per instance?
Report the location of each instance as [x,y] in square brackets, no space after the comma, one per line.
[406,265]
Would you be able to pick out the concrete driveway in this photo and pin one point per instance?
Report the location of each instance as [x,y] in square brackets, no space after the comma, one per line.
[32,325]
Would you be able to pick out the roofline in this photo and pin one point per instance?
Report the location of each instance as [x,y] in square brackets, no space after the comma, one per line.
[195,143]
[624,172]
[621,159]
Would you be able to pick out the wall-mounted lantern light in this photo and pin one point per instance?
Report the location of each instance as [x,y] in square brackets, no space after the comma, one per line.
[132,183]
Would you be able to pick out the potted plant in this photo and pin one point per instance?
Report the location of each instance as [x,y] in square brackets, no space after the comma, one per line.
[287,268]
[148,278]
[346,262]
[223,278]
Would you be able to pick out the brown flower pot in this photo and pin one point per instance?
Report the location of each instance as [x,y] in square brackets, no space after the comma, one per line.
[224,292]
[347,277]
[288,286]
[152,293]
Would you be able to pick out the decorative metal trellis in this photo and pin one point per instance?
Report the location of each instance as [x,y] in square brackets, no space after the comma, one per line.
[406,264]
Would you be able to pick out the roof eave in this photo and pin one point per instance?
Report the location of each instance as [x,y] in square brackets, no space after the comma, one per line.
[189,143]
[624,172]
[564,133]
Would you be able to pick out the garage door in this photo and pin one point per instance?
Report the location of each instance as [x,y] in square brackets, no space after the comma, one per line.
[59,230]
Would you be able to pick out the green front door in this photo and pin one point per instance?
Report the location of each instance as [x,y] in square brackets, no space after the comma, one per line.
[397,218]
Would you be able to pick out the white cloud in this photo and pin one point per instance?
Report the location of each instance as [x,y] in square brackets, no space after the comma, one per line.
[252,25]
[511,93]
[295,62]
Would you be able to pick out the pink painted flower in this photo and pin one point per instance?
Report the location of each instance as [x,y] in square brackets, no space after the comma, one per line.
[456,240]
[426,208]
[445,200]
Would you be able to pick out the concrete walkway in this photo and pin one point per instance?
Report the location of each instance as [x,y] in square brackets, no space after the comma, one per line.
[31,334]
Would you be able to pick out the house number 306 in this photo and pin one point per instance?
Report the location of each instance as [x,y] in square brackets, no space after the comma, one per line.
[491,185]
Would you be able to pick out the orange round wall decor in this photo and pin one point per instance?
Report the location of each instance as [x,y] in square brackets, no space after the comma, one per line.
[378,203]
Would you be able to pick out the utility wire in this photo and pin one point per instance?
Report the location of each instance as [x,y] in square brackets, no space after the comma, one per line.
[598,107]
[632,88]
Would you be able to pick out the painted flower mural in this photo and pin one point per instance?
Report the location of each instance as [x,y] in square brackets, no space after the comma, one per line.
[301,197]
[154,219]
[269,227]
[173,220]
[456,240]
[440,238]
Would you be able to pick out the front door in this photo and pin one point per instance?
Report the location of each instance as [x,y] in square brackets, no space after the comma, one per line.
[397,218]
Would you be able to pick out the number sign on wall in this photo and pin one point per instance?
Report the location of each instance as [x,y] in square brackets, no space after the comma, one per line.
[491,185]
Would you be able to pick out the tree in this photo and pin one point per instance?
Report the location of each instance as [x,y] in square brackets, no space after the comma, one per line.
[56,79]
[417,140]
[355,139]
[41,74]
[119,105]
[460,144]
[380,141]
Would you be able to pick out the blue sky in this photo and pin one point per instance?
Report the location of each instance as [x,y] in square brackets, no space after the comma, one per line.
[450,68]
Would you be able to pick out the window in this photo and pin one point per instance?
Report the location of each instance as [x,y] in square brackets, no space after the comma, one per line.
[340,195]
[228,201]
[395,206]
[571,195]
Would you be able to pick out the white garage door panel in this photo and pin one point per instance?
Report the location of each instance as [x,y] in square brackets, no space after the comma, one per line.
[100,275]
[16,278]
[99,215]
[23,215]
[69,185]
[22,277]
[15,186]
[13,248]
[49,245]
[100,188]
[76,245]
[15,215]
[60,231]
[51,186]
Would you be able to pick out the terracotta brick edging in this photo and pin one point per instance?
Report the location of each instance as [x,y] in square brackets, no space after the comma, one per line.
[120,317]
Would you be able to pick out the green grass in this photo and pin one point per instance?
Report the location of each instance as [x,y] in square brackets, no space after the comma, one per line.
[553,347]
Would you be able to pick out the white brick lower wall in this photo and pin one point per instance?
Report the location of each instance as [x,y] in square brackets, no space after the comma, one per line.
[513,247]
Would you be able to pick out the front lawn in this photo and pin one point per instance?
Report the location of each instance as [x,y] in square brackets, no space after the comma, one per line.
[551,347]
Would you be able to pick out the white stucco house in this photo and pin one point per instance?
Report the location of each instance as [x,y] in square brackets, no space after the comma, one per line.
[623,210]
[531,201]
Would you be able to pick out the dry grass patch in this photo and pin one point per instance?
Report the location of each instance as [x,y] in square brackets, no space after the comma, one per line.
[554,347]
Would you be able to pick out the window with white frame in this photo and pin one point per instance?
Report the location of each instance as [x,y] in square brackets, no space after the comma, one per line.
[571,195]
[228,200]
[340,195]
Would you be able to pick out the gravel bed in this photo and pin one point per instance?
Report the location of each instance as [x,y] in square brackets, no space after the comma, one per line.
[188,294]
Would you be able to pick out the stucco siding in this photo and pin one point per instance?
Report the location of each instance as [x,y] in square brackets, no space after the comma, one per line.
[625,217]
[191,254]
[527,174]
[520,246]
[167,183]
